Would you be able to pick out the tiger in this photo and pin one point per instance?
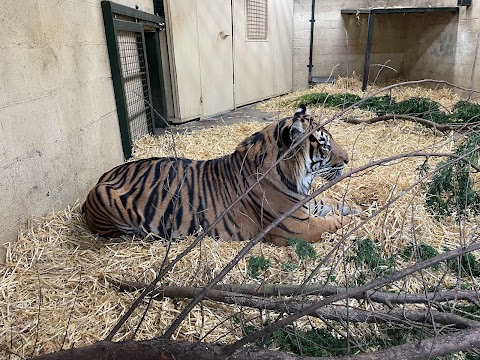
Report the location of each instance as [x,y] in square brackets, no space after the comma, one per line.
[172,197]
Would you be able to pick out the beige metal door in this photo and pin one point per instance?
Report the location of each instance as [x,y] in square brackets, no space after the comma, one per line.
[184,58]
[262,49]
[216,56]
[282,28]
[215,69]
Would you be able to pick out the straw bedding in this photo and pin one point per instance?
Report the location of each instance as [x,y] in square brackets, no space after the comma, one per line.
[54,288]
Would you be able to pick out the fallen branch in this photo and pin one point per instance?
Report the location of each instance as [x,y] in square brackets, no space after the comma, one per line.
[292,306]
[237,290]
[424,122]
[167,349]
[398,316]
[386,298]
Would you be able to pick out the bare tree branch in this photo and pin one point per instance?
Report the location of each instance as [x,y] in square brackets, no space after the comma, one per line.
[425,122]
[167,349]
[237,290]
[397,316]
[293,306]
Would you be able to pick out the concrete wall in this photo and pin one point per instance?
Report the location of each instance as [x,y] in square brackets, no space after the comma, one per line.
[58,123]
[437,45]
[447,49]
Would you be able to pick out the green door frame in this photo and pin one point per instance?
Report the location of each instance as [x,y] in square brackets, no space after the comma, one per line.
[118,17]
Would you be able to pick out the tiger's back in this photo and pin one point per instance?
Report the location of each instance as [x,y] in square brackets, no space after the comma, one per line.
[166,196]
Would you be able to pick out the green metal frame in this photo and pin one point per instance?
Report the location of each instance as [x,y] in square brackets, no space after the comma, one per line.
[112,26]
[157,88]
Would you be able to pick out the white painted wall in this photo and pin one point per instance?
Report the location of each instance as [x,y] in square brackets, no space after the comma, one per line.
[58,123]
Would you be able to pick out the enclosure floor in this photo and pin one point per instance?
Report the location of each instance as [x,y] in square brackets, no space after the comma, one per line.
[244,113]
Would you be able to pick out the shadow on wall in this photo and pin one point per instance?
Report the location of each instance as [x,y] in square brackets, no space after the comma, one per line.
[432,43]
[412,45]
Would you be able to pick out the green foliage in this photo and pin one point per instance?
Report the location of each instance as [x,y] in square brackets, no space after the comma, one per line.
[327,100]
[381,105]
[303,249]
[289,266]
[471,356]
[469,265]
[422,252]
[319,342]
[257,264]
[463,111]
[466,112]
[392,337]
[366,252]
[451,189]
[421,107]
[314,342]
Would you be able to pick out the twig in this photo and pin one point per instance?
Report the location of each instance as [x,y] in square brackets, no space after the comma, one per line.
[425,122]
[375,296]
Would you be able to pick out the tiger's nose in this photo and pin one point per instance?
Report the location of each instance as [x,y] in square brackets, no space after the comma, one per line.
[345,161]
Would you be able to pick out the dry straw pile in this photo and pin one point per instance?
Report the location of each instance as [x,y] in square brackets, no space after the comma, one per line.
[54,288]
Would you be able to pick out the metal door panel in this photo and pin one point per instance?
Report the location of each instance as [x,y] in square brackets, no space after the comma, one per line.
[184,56]
[282,46]
[253,59]
[216,56]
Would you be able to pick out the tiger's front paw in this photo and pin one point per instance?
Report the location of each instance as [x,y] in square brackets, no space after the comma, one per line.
[327,206]
[350,210]
[336,222]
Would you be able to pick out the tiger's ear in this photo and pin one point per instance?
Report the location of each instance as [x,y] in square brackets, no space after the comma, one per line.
[291,133]
[296,130]
[302,110]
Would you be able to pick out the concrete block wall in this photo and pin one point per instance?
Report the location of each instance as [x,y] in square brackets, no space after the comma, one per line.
[58,124]
[448,49]
[407,43]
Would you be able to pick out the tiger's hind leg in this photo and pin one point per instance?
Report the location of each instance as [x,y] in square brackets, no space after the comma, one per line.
[105,214]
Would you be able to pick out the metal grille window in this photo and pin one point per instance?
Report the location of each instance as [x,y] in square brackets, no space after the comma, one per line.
[134,73]
[257,19]
[133,42]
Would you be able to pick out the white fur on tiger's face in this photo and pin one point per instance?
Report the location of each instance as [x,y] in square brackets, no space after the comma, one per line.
[176,196]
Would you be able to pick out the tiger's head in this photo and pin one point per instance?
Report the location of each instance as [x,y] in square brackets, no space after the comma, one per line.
[317,155]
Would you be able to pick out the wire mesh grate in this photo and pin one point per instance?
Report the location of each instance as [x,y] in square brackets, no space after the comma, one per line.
[257,19]
[134,73]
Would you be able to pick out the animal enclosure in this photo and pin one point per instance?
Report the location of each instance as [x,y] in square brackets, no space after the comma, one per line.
[60,287]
